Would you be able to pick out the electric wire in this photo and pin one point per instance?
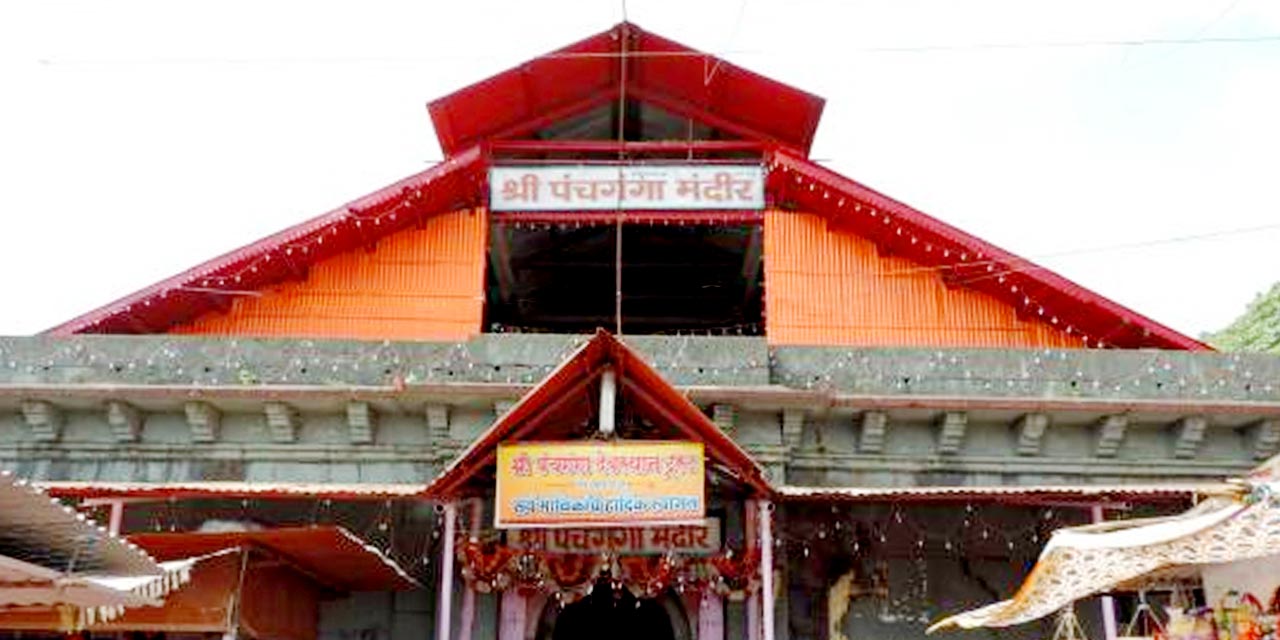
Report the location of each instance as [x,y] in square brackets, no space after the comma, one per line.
[1081,251]
[924,48]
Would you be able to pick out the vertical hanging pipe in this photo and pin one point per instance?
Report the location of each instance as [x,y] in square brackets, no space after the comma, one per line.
[443,622]
[117,517]
[1107,603]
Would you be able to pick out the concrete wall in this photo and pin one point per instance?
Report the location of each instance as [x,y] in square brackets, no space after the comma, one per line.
[801,411]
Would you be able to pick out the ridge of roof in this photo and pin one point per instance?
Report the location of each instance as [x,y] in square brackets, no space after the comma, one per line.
[965,260]
[590,73]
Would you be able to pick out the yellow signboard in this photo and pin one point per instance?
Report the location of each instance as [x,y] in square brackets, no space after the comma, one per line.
[596,483]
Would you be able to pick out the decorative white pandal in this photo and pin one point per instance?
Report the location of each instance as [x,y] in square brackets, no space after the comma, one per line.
[1082,561]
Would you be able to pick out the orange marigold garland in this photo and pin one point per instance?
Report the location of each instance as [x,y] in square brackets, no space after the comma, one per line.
[484,565]
[649,576]
[738,573]
[574,574]
[488,566]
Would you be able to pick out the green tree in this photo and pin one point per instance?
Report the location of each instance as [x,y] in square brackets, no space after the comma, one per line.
[1257,330]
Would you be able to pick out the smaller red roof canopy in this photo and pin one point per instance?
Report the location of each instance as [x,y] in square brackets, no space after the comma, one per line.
[557,406]
[229,489]
[332,556]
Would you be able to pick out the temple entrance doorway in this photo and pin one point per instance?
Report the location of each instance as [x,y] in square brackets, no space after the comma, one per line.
[615,614]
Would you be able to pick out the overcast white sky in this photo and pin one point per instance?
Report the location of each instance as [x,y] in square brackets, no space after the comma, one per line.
[140,138]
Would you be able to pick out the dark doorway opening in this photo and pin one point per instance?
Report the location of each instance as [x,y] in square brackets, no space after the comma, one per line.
[676,278]
[610,613]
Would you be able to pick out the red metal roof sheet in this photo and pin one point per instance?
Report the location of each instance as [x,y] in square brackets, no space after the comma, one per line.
[588,73]
[451,185]
[265,490]
[965,260]
[558,85]
[330,554]
[1005,493]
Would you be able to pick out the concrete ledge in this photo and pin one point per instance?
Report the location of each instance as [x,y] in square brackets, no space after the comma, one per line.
[517,360]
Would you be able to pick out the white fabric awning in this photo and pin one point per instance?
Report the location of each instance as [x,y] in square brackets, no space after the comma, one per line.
[1082,561]
[52,557]
[37,529]
[23,584]
[90,598]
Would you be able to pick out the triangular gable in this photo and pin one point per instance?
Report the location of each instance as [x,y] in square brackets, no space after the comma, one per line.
[589,73]
[559,400]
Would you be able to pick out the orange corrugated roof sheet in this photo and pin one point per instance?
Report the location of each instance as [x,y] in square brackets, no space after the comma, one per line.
[419,284]
[327,553]
[828,287]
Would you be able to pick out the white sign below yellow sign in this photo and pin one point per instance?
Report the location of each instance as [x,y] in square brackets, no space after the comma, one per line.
[703,539]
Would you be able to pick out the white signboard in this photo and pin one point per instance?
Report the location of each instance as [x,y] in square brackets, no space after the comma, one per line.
[626,187]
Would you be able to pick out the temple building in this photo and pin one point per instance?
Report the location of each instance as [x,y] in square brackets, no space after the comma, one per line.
[627,361]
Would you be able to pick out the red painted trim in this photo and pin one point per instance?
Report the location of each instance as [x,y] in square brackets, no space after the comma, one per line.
[1023,284]
[637,146]
[660,70]
[966,260]
[691,110]
[552,116]
[447,186]
[630,217]
[712,438]
[143,491]
[566,383]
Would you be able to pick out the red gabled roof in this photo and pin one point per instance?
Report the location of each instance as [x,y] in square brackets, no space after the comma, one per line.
[585,74]
[964,260]
[589,73]
[543,412]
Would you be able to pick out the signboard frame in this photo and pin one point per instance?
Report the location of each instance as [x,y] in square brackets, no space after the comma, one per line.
[703,539]
[618,471]
[519,188]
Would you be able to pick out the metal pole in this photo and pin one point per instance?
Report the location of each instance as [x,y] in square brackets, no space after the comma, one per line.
[443,623]
[623,34]
[117,517]
[766,566]
[1107,603]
